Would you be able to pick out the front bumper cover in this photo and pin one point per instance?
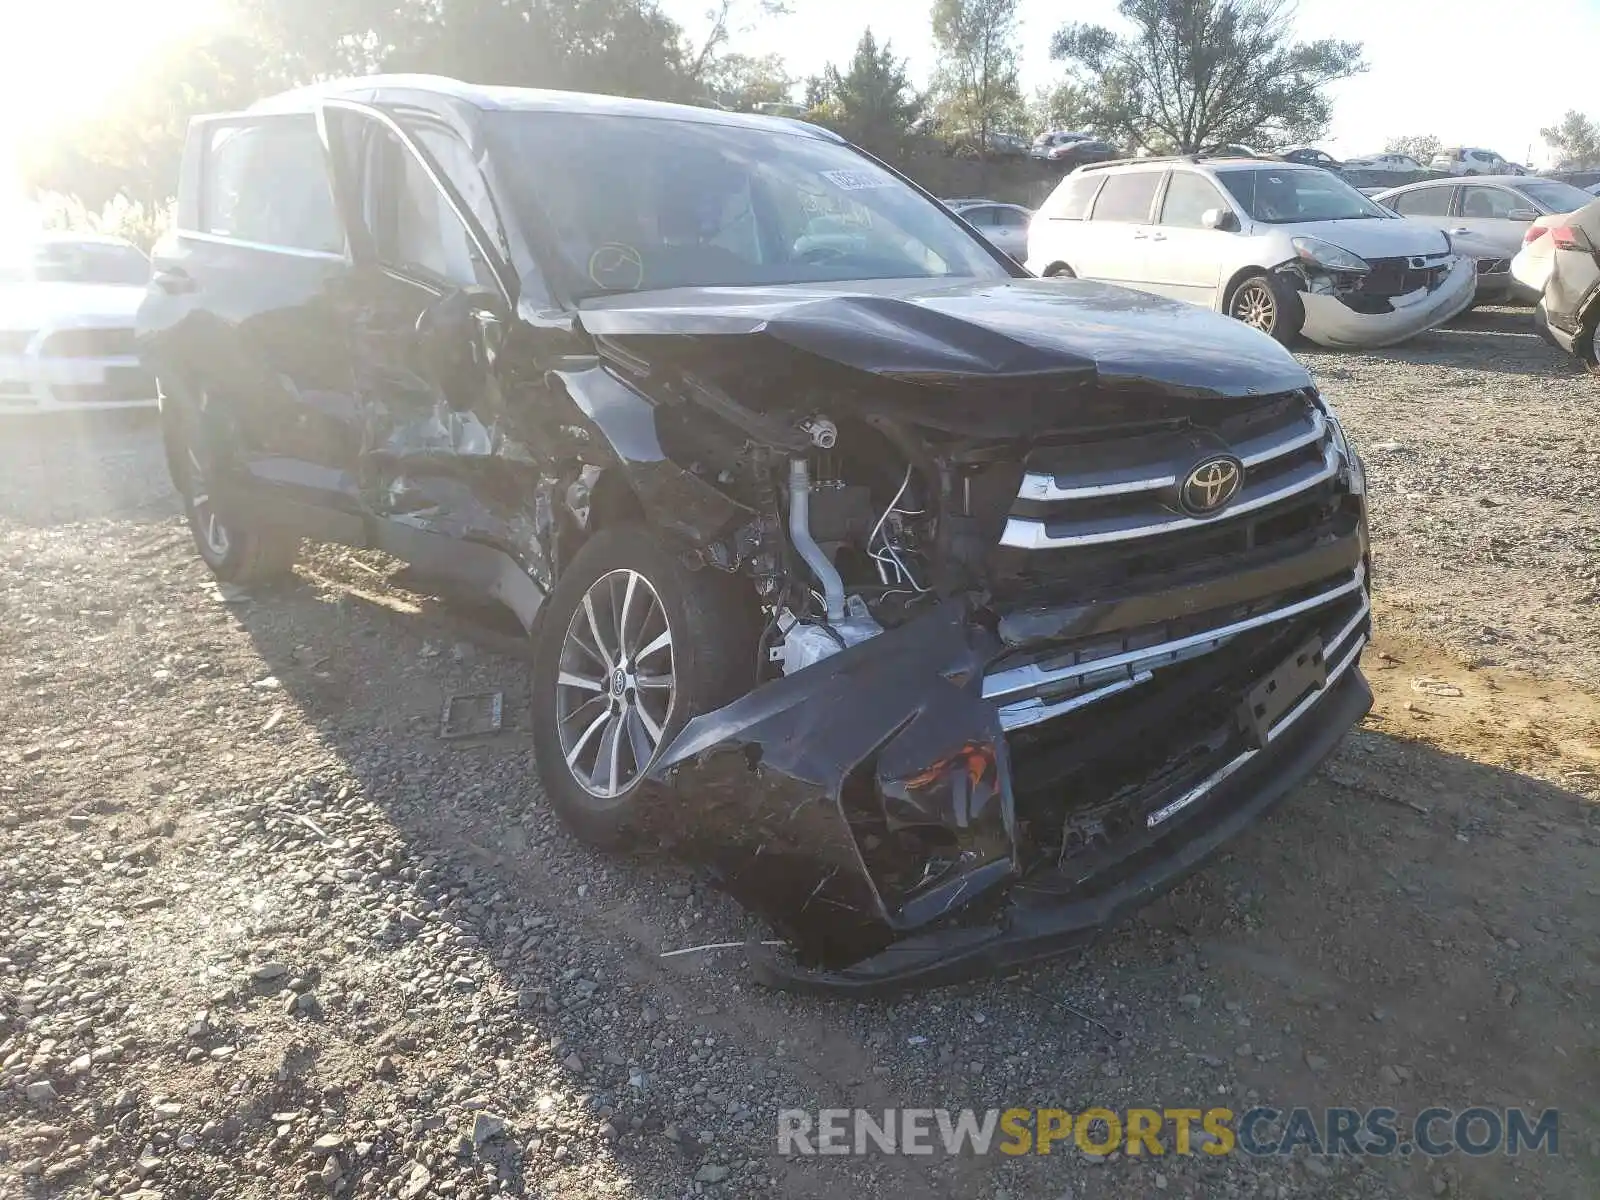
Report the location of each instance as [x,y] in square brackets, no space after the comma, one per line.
[1330,322]
[868,806]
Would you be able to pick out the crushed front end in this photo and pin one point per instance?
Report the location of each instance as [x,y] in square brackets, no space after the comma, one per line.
[1112,647]
[1388,301]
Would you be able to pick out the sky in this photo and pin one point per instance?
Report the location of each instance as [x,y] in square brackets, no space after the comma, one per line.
[1470,71]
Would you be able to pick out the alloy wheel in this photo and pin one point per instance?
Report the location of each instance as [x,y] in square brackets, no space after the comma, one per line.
[615,687]
[206,522]
[1255,305]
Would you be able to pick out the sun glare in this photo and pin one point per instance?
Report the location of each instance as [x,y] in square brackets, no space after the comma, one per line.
[63,59]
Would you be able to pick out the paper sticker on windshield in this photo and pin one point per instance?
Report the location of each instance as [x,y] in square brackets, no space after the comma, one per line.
[855,181]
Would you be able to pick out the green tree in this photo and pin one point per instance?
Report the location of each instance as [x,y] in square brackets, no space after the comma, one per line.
[133,148]
[975,79]
[1198,72]
[1058,106]
[872,103]
[1420,146]
[740,82]
[1576,141]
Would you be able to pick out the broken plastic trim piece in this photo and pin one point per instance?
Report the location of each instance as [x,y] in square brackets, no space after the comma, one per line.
[471,714]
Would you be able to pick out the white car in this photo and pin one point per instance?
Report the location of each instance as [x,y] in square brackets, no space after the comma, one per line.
[1005,226]
[67,305]
[1290,250]
[1385,164]
[1470,160]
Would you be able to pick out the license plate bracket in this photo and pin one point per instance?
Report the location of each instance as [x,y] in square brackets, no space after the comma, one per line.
[1265,704]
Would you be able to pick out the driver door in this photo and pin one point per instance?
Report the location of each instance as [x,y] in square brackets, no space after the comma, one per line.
[432,297]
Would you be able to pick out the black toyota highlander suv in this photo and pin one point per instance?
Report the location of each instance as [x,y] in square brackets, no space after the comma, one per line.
[944,613]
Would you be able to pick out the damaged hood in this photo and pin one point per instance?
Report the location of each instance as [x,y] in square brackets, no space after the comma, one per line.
[943,334]
[1373,237]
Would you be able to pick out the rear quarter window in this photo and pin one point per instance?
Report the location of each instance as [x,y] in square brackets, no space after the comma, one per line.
[1072,198]
[265,180]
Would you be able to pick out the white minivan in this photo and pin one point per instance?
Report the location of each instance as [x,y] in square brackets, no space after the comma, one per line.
[1291,250]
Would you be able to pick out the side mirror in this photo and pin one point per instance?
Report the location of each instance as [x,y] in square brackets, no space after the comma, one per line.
[1222,219]
[1522,214]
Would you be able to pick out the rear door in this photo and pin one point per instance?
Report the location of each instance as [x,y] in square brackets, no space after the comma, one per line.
[247,314]
[1485,210]
[1429,205]
[1185,258]
[1116,237]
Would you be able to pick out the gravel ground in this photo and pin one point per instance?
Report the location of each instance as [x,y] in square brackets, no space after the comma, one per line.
[263,933]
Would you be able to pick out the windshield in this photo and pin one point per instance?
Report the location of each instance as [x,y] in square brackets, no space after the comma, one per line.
[1280,197]
[637,204]
[63,261]
[1554,195]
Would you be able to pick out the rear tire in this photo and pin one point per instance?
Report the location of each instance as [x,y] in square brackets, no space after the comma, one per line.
[1587,345]
[235,553]
[632,644]
[1266,303]
[1059,271]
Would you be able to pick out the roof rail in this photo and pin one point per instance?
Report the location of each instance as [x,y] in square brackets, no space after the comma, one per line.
[1150,158]
[1188,158]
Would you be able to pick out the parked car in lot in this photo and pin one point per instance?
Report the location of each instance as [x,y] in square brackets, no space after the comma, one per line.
[1310,156]
[1568,313]
[1077,153]
[1385,164]
[1231,150]
[1050,139]
[948,612]
[1469,160]
[1288,249]
[1003,225]
[67,303]
[1492,214]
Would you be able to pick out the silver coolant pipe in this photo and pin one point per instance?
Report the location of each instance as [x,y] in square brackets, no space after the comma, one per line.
[800,533]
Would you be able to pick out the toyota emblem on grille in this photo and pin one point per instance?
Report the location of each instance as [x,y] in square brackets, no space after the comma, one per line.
[1211,485]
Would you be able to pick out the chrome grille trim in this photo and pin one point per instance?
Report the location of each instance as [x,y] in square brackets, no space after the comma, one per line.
[1252,452]
[1023,682]
[1027,533]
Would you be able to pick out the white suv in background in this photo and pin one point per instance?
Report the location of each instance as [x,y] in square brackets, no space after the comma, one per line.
[1470,160]
[1287,249]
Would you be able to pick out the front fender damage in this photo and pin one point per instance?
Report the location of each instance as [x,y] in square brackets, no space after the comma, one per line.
[861,799]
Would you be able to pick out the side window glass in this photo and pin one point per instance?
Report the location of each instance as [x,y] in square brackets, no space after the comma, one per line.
[1486,202]
[1072,197]
[415,227]
[266,181]
[1011,218]
[982,217]
[1188,196]
[455,160]
[1424,202]
[1127,196]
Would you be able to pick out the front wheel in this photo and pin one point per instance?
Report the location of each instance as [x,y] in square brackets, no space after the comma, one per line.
[632,644]
[1266,303]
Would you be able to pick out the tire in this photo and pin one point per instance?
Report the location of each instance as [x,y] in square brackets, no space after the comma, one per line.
[235,553]
[1586,347]
[1268,304]
[1059,271]
[711,622]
